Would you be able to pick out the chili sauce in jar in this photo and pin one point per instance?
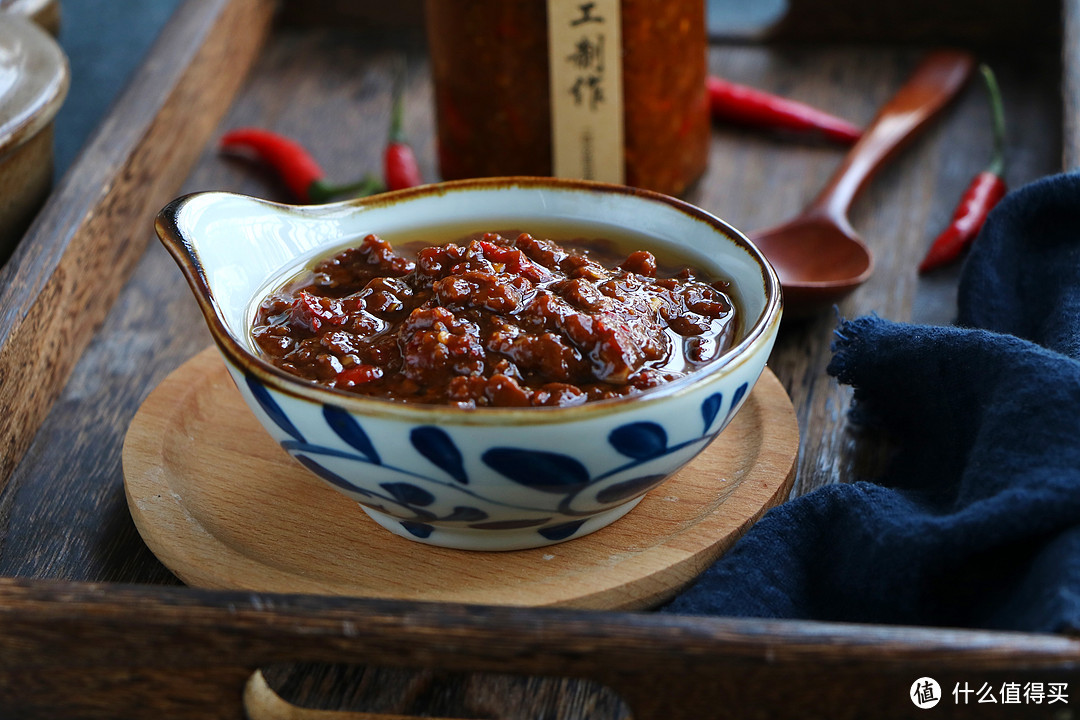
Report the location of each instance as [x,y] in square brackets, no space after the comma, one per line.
[610,90]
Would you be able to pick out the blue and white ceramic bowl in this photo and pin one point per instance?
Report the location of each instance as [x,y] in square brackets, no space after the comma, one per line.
[488,478]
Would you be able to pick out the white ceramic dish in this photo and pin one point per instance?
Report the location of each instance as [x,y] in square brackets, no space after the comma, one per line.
[488,478]
[45,13]
[34,80]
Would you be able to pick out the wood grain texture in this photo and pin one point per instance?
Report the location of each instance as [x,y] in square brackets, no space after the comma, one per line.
[223,506]
[59,285]
[182,653]
[755,180]
[63,512]
[817,254]
[262,703]
[403,14]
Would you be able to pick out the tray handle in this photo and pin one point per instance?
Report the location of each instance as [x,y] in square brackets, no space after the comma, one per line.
[262,703]
[113,651]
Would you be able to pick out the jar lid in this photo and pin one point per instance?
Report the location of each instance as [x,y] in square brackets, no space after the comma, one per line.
[34,78]
[45,13]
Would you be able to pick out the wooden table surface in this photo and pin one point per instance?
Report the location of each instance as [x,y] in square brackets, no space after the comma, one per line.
[63,514]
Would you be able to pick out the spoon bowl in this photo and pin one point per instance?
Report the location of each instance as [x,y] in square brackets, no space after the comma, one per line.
[818,256]
[817,250]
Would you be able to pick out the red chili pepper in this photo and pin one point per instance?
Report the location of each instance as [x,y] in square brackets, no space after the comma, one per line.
[358,375]
[750,106]
[294,165]
[982,194]
[400,169]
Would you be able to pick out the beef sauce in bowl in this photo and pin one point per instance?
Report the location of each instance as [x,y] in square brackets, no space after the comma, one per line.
[494,320]
[557,409]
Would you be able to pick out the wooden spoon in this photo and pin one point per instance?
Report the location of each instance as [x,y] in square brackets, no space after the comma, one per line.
[818,255]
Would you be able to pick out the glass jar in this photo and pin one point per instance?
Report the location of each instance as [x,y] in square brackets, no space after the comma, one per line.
[610,89]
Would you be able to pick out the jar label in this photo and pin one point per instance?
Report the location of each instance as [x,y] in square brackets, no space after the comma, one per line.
[585,58]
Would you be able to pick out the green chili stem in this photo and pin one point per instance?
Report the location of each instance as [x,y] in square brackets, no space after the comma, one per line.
[997,106]
[397,110]
[320,191]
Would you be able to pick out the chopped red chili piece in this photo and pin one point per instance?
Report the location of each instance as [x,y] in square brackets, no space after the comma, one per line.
[357,375]
[312,312]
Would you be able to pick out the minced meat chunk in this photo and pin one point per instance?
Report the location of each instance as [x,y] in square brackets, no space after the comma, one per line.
[490,321]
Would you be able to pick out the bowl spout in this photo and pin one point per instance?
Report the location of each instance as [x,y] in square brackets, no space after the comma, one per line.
[230,246]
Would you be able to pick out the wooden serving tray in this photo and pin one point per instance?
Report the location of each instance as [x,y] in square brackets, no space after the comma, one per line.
[222,506]
[93,626]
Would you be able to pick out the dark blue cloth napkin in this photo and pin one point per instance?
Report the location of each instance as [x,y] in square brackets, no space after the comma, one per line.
[976,521]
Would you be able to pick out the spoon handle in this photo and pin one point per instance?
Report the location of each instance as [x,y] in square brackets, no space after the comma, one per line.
[936,80]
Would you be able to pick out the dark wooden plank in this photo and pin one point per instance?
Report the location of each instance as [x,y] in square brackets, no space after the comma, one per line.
[358,15]
[755,181]
[63,513]
[405,692]
[56,522]
[58,286]
[338,104]
[74,524]
[984,23]
[80,650]
[965,22]
[1070,83]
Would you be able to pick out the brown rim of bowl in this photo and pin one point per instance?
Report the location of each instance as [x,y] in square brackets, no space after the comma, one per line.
[272,376]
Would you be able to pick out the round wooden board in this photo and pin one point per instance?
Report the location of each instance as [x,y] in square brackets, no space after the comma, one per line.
[222,506]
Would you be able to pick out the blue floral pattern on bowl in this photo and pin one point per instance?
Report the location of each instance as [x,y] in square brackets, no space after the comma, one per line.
[491,478]
[442,498]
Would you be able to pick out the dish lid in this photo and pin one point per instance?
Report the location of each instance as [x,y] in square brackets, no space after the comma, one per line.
[34,78]
[45,13]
